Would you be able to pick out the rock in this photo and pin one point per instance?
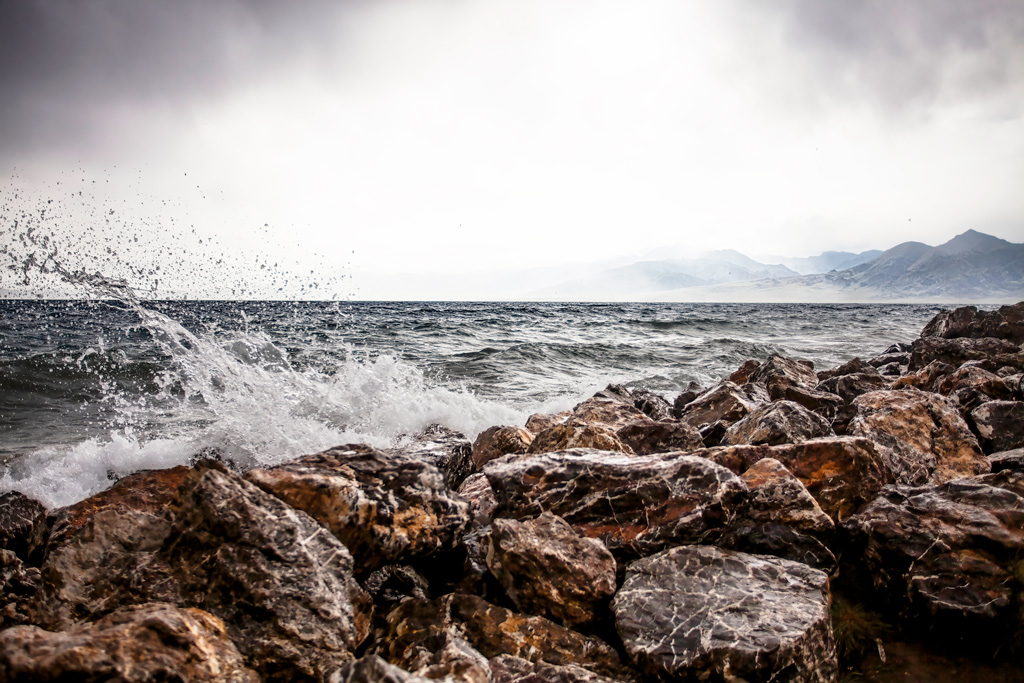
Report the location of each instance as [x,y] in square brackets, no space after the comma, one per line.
[645,437]
[393,583]
[892,369]
[928,438]
[958,351]
[849,387]
[725,403]
[548,570]
[896,358]
[775,423]
[495,442]
[385,508]
[143,644]
[779,372]
[743,372]
[538,422]
[19,517]
[841,473]
[1000,425]
[281,582]
[855,366]
[446,657]
[372,669]
[417,629]
[477,491]
[1007,460]
[692,391]
[445,449]
[926,378]
[649,403]
[577,434]
[605,412]
[944,553]
[968,321]
[699,613]
[509,669]
[823,403]
[971,386]
[18,585]
[635,505]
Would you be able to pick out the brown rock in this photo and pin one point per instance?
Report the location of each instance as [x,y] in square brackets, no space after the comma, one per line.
[1000,424]
[776,423]
[385,508]
[854,366]
[548,570]
[725,403]
[495,442]
[153,642]
[645,437]
[958,351]
[606,412]
[19,518]
[743,372]
[575,434]
[477,491]
[649,403]
[970,386]
[509,669]
[926,378]
[779,372]
[692,391]
[373,669]
[18,585]
[849,387]
[538,422]
[1007,460]
[968,321]
[928,438]
[445,449]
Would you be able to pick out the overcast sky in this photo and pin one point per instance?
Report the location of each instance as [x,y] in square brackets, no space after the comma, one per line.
[326,143]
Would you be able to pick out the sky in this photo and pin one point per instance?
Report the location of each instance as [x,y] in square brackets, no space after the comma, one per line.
[398,148]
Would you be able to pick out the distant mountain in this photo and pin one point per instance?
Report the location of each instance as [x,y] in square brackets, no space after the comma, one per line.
[826,261]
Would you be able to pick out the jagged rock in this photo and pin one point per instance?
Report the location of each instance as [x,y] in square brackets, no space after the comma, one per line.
[958,351]
[970,386]
[448,657]
[509,669]
[854,366]
[892,369]
[385,508]
[725,403]
[943,552]
[841,473]
[779,372]
[477,491]
[372,669]
[392,583]
[149,491]
[742,373]
[776,423]
[635,505]
[548,570]
[18,585]
[447,450]
[926,378]
[649,403]
[1000,424]
[577,434]
[19,517]
[823,403]
[495,442]
[968,321]
[700,612]
[692,391]
[606,412]
[887,359]
[143,644]
[849,387]
[928,438]
[645,437]
[419,629]
[1007,460]
[781,519]
[281,582]
[538,422]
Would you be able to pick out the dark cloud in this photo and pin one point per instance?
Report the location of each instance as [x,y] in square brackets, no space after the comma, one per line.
[67,67]
[907,53]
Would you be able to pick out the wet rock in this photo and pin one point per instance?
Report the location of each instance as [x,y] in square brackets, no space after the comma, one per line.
[699,613]
[143,644]
[649,436]
[281,582]
[477,491]
[1007,460]
[776,423]
[548,570]
[18,585]
[606,412]
[970,386]
[417,629]
[495,442]
[928,438]
[725,403]
[943,552]
[385,508]
[19,517]
[577,434]
[958,351]
[742,374]
[372,669]
[968,321]
[1000,425]
[538,422]
[635,505]
[692,391]
[849,387]
[779,372]
[509,669]
[446,449]
[841,473]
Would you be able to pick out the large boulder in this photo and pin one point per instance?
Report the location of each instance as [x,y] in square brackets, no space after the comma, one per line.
[776,423]
[958,351]
[142,644]
[725,403]
[538,422]
[495,442]
[943,554]
[446,449]
[645,437]
[385,508]
[547,569]
[636,505]
[778,372]
[649,403]
[577,434]
[968,321]
[970,386]
[19,518]
[609,413]
[925,432]
[1000,424]
[703,613]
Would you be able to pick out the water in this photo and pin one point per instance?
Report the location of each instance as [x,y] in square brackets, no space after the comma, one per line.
[92,390]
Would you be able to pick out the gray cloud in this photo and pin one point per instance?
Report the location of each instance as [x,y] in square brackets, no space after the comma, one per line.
[68,66]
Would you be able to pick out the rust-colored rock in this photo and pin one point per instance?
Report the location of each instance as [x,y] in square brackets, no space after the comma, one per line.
[742,374]
[645,437]
[548,570]
[928,438]
[926,378]
[495,442]
[143,644]
[477,491]
[692,391]
[776,423]
[649,403]
[576,434]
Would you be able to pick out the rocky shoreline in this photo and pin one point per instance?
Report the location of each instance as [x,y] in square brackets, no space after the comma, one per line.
[782,525]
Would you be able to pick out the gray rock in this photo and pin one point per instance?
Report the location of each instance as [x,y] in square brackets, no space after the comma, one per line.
[477,491]
[779,372]
[725,403]
[777,423]
[1000,424]
[509,669]
[968,321]
[849,387]
[699,612]
[958,351]
[645,437]
[372,669]
[1007,460]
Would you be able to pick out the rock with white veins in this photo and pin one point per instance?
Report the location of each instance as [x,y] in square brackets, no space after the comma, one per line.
[702,613]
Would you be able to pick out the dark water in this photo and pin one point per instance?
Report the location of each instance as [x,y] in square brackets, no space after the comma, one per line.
[93,388]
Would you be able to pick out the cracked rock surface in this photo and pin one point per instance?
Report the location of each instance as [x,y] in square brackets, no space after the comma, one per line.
[777,423]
